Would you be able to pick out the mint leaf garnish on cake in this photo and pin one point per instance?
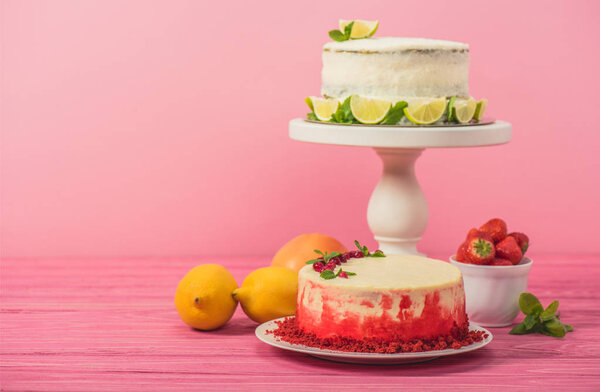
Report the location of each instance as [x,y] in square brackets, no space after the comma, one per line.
[450,109]
[328,274]
[537,319]
[343,35]
[343,114]
[395,114]
[330,261]
[365,251]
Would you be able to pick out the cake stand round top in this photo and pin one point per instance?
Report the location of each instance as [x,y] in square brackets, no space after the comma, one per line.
[498,132]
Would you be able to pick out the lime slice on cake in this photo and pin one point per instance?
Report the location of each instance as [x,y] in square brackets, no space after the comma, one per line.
[369,110]
[464,110]
[360,28]
[425,112]
[480,109]
[323,107]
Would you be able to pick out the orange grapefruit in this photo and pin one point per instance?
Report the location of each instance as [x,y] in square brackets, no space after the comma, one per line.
[297,251]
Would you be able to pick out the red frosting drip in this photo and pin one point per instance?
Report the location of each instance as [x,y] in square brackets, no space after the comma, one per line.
[288,330]
[433,321]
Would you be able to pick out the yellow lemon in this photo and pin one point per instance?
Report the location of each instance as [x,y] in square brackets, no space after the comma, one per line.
[204,297]
[268,293]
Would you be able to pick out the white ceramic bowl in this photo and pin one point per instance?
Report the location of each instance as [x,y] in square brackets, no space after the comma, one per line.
[492,292]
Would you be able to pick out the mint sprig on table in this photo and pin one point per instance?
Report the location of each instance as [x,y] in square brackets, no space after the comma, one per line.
[538,319]
[365,250]
[340,36]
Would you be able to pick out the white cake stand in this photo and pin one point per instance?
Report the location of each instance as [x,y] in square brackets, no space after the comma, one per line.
[397,212]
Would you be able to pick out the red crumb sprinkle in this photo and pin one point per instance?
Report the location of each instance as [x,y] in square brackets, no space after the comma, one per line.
[288,331]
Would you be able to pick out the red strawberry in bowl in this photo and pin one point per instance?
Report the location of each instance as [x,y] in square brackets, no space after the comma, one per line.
[510,250]
[498,261]
[479,249]
[522,240]
[461,253]
[495,228]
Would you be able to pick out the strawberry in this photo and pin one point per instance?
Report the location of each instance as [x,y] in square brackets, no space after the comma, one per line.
[460,253]
[472,232]
[509,249]
[500,261]
[522,241]
[480,249]
[495,228]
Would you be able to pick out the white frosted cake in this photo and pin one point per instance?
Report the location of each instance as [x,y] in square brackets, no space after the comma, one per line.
[397,298]
[393,80]
[395,69]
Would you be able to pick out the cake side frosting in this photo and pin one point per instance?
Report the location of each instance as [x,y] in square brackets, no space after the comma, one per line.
[395,69]
[396,298]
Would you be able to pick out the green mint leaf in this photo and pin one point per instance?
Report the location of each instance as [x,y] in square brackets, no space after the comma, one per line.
[395,114]
[530,321]
[450,109]
[347,111]
[551,309]
[529,304]
[319,252]
[337,35]
[519,329]
[326,257]
[376,254]
[348,30]
[334,254]
[350,273]
[343,114]
[554,328]
[312,117]
[358,245]
[568,328]
[327,274]
[548,317]
[338,273]
[313,261]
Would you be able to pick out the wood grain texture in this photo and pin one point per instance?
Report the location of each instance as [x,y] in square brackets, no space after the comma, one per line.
[96,325]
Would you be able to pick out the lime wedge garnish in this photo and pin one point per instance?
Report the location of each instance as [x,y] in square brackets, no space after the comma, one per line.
[308,101]
[322,107]
[425,112]
[369,110]
[480,109]
[464,110]
[361,28]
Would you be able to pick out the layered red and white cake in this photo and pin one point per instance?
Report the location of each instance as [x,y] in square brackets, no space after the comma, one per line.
[398,298]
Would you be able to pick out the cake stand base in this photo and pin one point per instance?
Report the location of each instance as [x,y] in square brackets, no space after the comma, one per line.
[397,213]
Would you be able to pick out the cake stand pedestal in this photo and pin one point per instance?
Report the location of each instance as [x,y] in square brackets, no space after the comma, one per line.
[397,213]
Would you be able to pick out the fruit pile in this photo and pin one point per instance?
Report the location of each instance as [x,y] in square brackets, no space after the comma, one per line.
[207,296]
[492,245]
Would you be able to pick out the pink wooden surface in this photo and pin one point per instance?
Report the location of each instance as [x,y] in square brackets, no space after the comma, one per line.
[91,325]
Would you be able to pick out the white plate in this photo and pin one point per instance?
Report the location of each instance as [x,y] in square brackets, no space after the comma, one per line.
[366,358]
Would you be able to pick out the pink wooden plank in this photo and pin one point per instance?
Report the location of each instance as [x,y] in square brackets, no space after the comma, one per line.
[94,325]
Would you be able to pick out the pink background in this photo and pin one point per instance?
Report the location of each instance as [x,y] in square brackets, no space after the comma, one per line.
[160,128]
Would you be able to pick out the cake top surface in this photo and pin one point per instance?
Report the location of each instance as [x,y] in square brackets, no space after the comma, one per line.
[391,272]
[393,44]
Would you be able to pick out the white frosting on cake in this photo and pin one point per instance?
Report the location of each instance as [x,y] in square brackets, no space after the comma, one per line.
[395,68]
[394,272]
